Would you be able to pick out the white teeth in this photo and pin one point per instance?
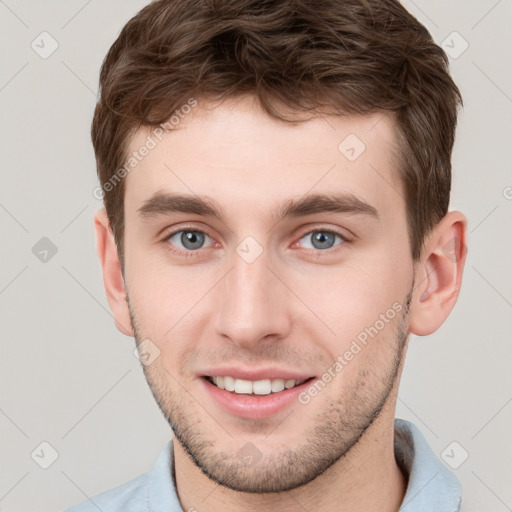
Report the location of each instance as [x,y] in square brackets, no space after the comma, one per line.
[262,387]
[243,386]
[277,385]
[258,387]
[229,383]
[289,383]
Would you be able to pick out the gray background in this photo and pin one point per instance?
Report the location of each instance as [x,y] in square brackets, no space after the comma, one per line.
[68,378]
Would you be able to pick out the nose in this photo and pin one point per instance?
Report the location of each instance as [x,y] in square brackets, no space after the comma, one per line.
[253,304]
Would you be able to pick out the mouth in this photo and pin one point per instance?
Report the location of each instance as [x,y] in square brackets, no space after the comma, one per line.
[258,387]
[254,400]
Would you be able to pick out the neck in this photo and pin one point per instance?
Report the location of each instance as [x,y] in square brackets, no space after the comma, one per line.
[366,479]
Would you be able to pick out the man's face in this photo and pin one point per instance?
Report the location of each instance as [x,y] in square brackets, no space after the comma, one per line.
[256,291]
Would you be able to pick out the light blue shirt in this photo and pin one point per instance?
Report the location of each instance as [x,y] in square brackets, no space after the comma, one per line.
[431,486]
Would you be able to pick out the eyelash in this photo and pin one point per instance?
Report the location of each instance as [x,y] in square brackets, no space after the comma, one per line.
[314,252]
[179,252]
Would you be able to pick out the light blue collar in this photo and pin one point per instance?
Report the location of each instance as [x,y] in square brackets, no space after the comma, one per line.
[432,486]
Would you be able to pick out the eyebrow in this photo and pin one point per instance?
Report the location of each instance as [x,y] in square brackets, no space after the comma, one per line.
[162,203]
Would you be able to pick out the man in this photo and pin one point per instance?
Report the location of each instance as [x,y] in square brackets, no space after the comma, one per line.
[276,180]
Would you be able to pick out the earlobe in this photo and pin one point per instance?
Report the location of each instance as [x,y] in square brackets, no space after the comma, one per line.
[439,274]
[112,275]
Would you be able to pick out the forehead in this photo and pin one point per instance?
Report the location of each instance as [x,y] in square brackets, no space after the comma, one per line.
[237,155]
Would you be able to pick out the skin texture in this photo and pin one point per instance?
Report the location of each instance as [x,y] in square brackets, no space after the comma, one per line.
[293,307]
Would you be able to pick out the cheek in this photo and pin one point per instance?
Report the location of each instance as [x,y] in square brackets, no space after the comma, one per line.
[352,297]
[157,296]
[172,302]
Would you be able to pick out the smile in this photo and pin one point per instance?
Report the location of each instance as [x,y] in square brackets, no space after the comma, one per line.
[257,387]
[254,400]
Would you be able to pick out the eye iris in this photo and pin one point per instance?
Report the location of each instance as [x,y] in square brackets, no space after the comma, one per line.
[193,237]
[325,239]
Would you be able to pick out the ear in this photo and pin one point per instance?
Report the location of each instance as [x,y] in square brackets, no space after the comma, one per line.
[112,274]
[439,274]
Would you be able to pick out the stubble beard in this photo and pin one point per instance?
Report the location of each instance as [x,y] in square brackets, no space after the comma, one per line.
[336,430]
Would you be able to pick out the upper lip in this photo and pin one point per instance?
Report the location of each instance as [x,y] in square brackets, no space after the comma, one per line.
[254,374]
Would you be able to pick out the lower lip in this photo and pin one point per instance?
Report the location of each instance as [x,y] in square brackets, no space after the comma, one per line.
[254,407]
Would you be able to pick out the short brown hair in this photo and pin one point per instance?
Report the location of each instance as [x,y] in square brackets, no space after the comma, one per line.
[353,56]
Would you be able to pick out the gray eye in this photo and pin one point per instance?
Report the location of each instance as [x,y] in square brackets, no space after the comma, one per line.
[190,240]
[321,239]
